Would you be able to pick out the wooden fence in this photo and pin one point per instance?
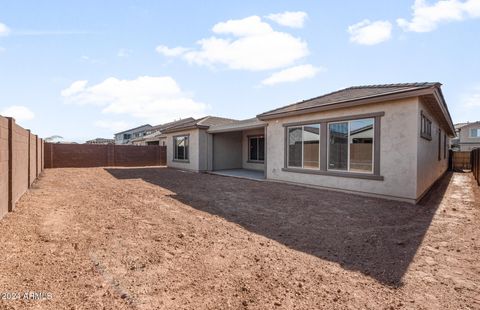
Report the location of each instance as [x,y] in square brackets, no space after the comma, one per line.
[460,161]
[109,155]
[21,162]
[475,160]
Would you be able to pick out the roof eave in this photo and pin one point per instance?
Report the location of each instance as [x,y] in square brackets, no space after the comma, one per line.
[350,103]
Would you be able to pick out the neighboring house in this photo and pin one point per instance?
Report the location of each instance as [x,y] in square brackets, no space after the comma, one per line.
[155,136]
[126,136]
[100,141]
[467,136]
[382,140]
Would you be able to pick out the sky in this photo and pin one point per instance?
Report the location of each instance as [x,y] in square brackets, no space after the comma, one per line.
[87,69]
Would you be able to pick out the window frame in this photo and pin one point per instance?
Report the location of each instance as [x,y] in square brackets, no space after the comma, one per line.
[302,128]
[323,147]
[439,144]
[257,137]
[444,145]
[470,133]
[425,127]
[348,146]
[187,148]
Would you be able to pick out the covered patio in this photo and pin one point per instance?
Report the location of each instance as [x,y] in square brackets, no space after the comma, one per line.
[239,149]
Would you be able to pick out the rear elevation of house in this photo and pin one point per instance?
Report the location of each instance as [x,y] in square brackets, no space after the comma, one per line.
[381,140]
[468,136]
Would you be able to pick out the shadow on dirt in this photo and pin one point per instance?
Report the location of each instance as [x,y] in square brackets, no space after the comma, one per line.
[376,237]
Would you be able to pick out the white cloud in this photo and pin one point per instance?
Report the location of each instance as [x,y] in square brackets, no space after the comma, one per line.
[114,126]
[4,30]
[472,100]
[171,52]
[289,19]
[292,74]
[18,112]
[153,99]
[427,17]
[370,33]
[75,88]
[123,52]
[249,44]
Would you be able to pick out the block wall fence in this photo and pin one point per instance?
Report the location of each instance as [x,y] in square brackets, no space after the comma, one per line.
[21,162]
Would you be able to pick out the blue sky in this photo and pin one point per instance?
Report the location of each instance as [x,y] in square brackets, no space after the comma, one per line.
[87,69]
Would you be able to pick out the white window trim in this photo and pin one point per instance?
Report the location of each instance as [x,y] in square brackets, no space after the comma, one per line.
[348,147]
[470,133]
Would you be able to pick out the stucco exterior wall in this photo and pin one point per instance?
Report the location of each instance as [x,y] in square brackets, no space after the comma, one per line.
[245,163]
[205,150]
[429,168]
[464,134]
[227,150]
[193,149]
[398,151]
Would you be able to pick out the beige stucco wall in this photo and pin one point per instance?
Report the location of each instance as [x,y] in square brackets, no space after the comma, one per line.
[465,133]
[205,150]
[429,168]
[398,151]
[193,149]
[245,163]
[227,150]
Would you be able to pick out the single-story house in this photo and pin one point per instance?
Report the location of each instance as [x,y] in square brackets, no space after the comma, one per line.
[381,140]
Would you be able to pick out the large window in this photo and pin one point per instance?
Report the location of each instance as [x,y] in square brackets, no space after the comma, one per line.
[256,147]
[350,145]
[425,127]
[475,133]
[180,146]
[304,146]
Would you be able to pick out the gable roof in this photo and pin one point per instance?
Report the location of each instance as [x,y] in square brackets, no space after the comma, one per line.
[156,131]
[201,123]
[251,123]
[358,95]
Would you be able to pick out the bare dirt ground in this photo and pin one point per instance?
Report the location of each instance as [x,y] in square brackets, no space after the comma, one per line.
[155,238]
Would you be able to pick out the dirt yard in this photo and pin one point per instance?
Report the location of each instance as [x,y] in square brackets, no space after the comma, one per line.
[155,238]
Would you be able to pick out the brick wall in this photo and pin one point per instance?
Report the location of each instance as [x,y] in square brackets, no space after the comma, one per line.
[19,163]
[94,155]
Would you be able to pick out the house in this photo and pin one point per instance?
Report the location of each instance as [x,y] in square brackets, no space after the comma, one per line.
[381,140]
[467,136]
[155,136]
[100,141]
[126,136]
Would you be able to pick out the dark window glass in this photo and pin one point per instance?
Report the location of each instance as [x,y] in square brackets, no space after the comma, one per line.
[257,148]
[338,146]
[311,146]
[181,148]
[295,147]
[261,148]
[361,145]
[253,149]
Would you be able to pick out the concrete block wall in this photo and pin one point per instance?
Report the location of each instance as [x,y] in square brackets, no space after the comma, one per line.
[20,164]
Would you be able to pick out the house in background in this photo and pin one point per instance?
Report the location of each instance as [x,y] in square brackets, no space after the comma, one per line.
[100,141]
[124,137]
[467,137]
[155,136]
[382,140]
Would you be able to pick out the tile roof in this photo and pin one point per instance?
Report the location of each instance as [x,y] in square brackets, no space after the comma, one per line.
[238,125]
[351,94]
[204,122]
